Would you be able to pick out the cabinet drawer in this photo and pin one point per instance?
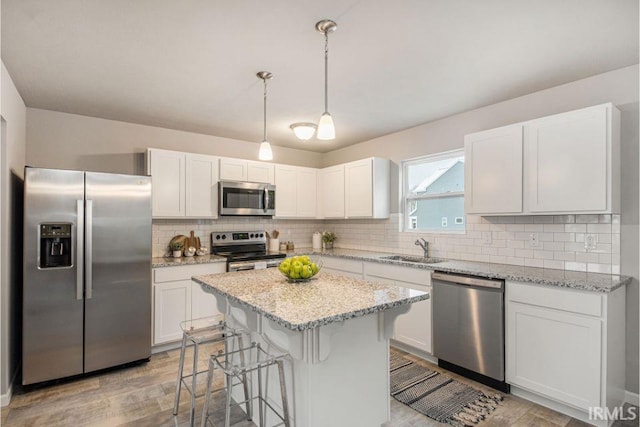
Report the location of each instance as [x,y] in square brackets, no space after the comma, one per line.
[405,274]
[184,272]
[342,264]
[574,301]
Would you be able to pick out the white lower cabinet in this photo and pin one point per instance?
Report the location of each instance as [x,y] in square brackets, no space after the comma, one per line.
[345,267]
[564,344]
[413,328]
[176,299]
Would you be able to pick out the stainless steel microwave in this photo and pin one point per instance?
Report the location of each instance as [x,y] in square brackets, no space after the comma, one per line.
[247,198]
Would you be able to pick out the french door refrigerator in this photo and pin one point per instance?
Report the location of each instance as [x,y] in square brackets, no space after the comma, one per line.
[87,272]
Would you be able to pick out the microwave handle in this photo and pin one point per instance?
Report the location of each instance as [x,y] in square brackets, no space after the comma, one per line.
[265,198]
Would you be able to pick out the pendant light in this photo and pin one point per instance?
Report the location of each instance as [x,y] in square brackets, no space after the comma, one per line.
[265,152]
[326,130]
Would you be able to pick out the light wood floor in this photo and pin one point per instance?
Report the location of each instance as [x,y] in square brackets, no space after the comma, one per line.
[142,395]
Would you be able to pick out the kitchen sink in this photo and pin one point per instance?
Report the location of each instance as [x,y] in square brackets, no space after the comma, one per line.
[413,258]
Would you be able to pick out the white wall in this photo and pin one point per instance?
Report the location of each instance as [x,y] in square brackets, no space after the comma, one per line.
[70,141]
[13,113]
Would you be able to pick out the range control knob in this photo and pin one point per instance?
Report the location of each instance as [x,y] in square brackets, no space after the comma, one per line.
[251,235]
[261,235]
[224,236]
[217,237]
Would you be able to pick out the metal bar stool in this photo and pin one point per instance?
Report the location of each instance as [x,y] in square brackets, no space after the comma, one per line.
[195,332]
[237,364]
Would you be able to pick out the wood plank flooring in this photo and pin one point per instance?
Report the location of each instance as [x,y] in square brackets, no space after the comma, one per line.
[142,395]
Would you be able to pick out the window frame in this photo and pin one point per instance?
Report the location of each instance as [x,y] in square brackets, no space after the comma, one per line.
[405,197]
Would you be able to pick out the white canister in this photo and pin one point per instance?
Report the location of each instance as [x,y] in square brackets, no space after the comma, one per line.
[317,240]
[274,245]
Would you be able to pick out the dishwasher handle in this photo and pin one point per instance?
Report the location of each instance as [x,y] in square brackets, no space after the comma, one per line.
[470,281]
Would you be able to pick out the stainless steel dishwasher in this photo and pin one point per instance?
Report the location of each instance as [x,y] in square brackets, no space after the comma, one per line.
[468,327]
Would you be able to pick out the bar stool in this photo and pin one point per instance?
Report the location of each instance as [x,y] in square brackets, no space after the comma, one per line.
[249,359]
[195,332]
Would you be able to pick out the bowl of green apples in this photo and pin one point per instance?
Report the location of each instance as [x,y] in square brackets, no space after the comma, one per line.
[299,268]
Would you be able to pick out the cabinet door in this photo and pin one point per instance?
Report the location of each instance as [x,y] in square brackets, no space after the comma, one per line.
[493,171]
[331,185]
[260,172]
[359,189]
[168,182]
[568,159]
[554,353]
[202,186]
[203,304]
[233,169]
[306,192]
[172,305]
[286,191]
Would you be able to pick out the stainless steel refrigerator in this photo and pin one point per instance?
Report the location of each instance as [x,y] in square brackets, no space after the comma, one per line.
[87,272]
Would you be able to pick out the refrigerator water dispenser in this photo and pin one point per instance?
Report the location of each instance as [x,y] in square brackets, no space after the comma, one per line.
[55,245]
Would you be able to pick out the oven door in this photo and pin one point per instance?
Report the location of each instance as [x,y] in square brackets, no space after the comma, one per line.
[247,198]
[253,265]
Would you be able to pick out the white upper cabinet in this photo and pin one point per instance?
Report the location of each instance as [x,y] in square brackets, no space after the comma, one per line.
[367,188]
[569,159]
[493,171]
[331,192]
[183,184]
[167,170]
[246,170]
[202,186]
[296,194]
[565,163]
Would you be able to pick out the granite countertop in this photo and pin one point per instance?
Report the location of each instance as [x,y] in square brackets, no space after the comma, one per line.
[190,260]
[596,282]
[326,299]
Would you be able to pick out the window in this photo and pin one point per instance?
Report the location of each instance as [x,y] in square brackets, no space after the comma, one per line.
[433,194]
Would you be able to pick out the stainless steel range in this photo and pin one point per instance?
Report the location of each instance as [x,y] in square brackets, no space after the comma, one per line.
[244,250]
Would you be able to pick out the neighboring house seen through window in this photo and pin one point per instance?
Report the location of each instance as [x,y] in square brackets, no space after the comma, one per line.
[433,193]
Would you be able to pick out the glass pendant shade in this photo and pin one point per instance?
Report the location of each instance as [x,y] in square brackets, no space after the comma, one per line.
[326,130]
[303,131]
[265,152]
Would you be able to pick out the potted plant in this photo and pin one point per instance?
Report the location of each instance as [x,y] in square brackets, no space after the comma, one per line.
[328,237]
[176,248]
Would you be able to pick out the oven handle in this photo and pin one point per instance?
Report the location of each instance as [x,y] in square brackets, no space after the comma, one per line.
[250,265]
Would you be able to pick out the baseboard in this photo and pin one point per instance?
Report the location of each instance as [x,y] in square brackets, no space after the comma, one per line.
[165,347]
[5,398]
[632,398]
[416,352]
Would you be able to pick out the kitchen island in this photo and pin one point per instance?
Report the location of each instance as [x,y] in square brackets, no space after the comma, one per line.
[336,330]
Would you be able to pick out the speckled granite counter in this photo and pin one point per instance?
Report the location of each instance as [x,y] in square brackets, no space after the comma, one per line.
[326,299]
[562,278]
[191,260]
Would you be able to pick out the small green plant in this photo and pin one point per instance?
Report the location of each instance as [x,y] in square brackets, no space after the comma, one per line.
[176,246]
[328,236]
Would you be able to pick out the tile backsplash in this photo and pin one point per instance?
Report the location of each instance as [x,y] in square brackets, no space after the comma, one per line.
[505,239]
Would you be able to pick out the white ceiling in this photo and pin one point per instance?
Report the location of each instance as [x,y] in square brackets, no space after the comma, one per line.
[191,65]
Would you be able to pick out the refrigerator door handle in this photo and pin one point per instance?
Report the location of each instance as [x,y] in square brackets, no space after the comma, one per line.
[89,249]
[79,249]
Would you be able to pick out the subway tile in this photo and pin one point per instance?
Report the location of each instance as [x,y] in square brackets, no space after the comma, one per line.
[530,262]
[545,237]
[615,219]
[604,238]
[587,257]
[515,227]
[575,247]
[575,266]
[603,259]
[615,269]
[564,237]
[498,259]
[554,264]
[543,219]
[506,252]
[543,254]
[516,244]
[515,261]
[533,227]
[524,253]
[525,219]
[564,256]
[587,219]
[553,246]
[575,228]
[487,250]
[599,268]
[599,228]
[551,228]
[564,219]
[604,219]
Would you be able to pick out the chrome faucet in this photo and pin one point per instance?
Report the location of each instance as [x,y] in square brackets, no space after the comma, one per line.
[424,245]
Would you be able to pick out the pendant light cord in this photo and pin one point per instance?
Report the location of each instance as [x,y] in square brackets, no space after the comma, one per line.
[265,110]
[326,72]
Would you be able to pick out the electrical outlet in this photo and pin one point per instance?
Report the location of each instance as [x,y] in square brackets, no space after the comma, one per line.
[533,240]
[590,241]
